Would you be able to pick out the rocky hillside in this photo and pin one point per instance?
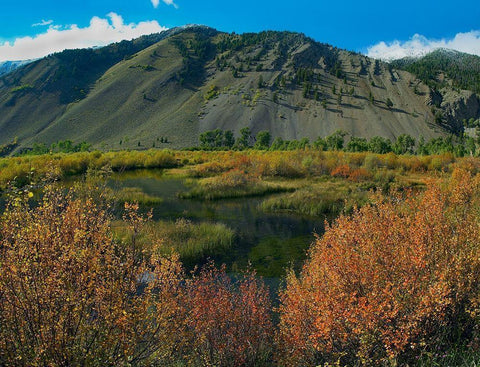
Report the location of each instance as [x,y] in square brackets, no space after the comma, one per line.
[454,81]
[174,85]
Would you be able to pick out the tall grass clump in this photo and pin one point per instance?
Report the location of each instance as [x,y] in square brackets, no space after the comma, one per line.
[192,241]
[318,199]
[134,194]
[232,184]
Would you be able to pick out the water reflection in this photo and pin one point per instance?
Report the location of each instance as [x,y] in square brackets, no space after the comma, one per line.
[270,242]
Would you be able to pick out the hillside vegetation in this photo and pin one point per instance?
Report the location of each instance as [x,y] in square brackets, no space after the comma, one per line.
[461,69]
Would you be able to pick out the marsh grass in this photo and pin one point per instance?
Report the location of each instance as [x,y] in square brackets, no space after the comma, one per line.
[232,184]
[135,194]
[320,198]
[456,356]
[192,241]
[22,170]
[199,164]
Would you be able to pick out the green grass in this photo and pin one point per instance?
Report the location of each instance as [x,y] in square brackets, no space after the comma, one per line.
[192,241]
[331,197]
[135,194]
[457,356]
[233,184]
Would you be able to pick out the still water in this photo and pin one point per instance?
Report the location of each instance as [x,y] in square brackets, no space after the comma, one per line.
[269,242]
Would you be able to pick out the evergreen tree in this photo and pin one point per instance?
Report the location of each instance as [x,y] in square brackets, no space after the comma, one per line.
[260,82]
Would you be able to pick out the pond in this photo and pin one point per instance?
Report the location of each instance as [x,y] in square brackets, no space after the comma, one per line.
[269,242]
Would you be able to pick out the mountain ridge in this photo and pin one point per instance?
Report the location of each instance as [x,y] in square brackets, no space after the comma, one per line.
[184,81]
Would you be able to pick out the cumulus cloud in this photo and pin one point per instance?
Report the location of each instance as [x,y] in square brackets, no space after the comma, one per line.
[43,23]
[419,45]
[155,3]
[100,32]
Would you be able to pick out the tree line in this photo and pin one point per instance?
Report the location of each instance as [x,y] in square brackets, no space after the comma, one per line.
[404,144]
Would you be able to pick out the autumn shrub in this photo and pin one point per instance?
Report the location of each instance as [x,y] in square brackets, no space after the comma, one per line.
[230,321]
[74,164]
[390,160]
[359,174]
[356,159]
[441,162]
[342,171]
[69,295]
[412,163]
[279,164]
[318,166]
[242,162]
[160,159]
[469,164]
[397,280]
[372,162]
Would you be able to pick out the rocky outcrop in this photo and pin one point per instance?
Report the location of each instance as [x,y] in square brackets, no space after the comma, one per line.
[459,106]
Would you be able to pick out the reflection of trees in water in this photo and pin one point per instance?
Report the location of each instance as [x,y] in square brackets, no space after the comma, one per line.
[280,235]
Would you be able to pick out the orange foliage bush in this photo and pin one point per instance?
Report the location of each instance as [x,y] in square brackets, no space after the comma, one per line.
[395,279]
[230,322]
[359,174]
[352,174]
[342,171]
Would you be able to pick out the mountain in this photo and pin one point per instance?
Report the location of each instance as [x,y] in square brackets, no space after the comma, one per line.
[182,82]
[444,67]
[454,81]
[9,66]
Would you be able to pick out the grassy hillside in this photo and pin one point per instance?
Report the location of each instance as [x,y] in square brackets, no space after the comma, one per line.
[164,90]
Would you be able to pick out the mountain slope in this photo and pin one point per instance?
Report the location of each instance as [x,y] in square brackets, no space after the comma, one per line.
[182,82]
[454,81]
[445,67]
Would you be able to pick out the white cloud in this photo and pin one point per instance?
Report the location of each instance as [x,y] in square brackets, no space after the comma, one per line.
[43,23]
[419,45]
[100,32]
[155,3]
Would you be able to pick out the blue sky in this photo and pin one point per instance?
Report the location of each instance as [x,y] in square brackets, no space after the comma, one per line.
[380,28]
